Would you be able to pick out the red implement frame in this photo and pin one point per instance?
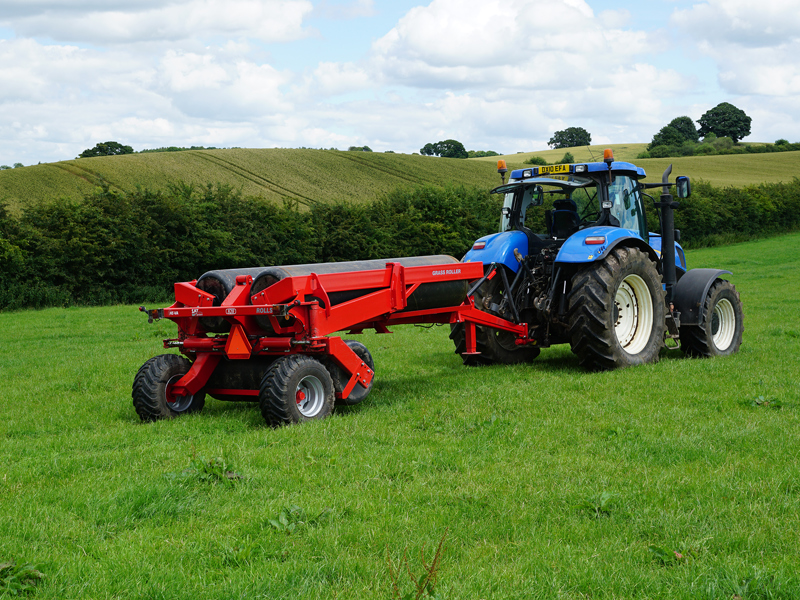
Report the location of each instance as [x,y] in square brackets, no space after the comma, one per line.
[302,318]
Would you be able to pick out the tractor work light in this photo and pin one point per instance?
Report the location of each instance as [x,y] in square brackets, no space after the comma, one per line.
[527,173]
[595,240]
[580,168]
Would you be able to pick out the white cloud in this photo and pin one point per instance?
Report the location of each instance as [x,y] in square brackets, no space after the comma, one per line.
[128,22]
[464,43]
[755,49]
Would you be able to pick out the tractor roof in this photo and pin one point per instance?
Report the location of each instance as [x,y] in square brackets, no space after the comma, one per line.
[617,168]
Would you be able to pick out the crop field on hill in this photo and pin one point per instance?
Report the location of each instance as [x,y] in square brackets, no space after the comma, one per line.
[305,176]
[675,480]
[733,170]
[308,176]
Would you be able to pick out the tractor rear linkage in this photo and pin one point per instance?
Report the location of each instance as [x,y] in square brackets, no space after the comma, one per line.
[302,318]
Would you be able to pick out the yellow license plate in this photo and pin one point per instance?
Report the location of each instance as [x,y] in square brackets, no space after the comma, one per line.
[549,169]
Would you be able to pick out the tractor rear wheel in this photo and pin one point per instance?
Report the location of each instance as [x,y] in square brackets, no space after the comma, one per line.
[721,331]
[340,378]
[151,389]
[617,311]
[296,388]
[494,345]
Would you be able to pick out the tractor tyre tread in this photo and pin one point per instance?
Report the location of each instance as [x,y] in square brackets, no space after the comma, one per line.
[697,340]
[591,308]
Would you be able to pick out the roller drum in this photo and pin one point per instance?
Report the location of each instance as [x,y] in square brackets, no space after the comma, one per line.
[220,284]
[426,296]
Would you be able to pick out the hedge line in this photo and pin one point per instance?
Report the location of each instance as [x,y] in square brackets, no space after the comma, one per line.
[131,247]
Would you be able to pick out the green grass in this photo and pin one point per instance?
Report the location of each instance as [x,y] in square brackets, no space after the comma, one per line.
[544,480]
[308,176]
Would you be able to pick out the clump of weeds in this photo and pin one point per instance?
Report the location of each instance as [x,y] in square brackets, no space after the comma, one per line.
[422,585]
[18,580]
[293,518]
[215,470]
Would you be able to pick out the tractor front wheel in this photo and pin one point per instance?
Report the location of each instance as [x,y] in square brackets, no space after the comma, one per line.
[721,331]
[296,388]
[617,311]
[152,386]
[494,345]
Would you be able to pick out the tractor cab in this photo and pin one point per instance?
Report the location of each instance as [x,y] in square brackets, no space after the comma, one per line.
[573,198]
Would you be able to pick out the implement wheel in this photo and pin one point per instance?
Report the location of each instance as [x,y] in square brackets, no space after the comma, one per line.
[340,378]
[151,389]
[494,345]
[721,332]
[296,388]
[617,311]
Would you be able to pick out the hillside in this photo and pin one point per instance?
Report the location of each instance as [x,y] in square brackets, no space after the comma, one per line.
[306,176]
[309,176]
[735,170]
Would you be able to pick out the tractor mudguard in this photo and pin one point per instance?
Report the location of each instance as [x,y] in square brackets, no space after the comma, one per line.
[690,293]
[680,257]
[577,251]
[499,248]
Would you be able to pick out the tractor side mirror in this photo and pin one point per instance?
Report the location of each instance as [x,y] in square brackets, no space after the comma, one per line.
[683,187]
[538,196]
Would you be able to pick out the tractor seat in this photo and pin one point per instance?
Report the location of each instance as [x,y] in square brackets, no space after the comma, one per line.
[565,219]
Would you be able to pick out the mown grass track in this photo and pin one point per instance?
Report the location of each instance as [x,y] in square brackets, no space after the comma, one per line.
[547,481]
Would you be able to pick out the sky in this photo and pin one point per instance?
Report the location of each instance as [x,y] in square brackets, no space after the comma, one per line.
[500,75]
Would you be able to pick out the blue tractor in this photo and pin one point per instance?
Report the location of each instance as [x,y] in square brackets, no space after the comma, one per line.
[575,261]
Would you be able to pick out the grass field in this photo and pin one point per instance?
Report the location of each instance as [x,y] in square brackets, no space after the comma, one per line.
[308,176]
[302,175]
[736,170]
[673,480]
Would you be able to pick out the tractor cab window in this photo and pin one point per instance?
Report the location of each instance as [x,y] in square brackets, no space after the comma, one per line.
[517,202]
[626,204]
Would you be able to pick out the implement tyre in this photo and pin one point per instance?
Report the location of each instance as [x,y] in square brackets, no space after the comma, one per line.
[721,332]
[296,388]
[151,386]
[494,345]
[340,378]
[617,311]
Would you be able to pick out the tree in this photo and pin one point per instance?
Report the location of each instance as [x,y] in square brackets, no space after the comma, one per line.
[106,149]
[4,167]
[570,138]
[686,127]
[445,149]
[667,136]
[359,149]
[725,120]
[18,165]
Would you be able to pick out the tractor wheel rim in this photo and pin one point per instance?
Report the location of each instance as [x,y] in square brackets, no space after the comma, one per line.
[723,324]
[177,403]
[310,396]
[633,314]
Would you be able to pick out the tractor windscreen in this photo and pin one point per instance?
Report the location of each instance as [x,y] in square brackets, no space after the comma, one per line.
[520,197]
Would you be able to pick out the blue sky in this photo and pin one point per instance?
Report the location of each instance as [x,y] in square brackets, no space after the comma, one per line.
[497,75]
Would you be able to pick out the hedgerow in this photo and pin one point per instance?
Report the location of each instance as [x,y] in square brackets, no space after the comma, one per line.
[130,247]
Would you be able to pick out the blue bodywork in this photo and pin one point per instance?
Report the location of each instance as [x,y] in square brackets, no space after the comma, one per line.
[499,249]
